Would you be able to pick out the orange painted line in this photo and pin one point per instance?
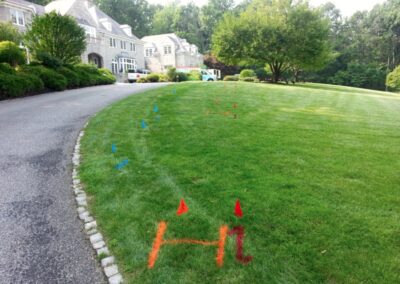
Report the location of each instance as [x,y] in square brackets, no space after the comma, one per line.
[162,227]
[223,231]
[190,241]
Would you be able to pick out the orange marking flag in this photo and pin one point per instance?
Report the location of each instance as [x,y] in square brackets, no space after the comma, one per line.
[159,242]
[182,209]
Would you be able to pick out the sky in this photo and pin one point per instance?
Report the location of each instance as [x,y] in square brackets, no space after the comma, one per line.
[348,7]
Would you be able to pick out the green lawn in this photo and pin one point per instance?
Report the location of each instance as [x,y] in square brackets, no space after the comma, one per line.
[316,169]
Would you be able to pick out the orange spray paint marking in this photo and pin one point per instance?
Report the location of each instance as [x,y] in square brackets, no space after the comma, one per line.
[159,242]
[238,209]
[162,227]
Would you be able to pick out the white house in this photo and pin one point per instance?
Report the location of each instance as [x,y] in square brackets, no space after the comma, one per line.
[169,50]
[109,44]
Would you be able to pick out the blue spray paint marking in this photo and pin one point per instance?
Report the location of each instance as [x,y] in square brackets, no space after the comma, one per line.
[113,148]
[158,117]
[155,108]
[144,125]
[122,164]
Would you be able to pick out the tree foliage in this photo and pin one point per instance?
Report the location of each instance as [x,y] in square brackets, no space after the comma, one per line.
[58,36]
[8,32]
[281,34]
[11,54]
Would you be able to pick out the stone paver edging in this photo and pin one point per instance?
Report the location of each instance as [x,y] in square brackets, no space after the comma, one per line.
[96,239]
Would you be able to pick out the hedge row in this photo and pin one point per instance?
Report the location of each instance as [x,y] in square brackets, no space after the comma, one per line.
[34,78]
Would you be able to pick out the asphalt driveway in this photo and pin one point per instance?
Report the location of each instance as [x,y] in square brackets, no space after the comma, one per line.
[41,238]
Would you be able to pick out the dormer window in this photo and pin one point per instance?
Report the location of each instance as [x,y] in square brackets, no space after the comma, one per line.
[17,17]
[106,24]
[167,50]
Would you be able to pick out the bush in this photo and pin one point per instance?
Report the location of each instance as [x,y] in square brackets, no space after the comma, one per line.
[48,60]
[231,78]
[8,32]
[71,76]
[6,68]
[90,75]
[11,54]
[142,80]
[246,73]
[171,74]
[249,79]
[181,77]
[195,76]
[109,75]
[51,79]
[33,84]
[153,78]
[393,79]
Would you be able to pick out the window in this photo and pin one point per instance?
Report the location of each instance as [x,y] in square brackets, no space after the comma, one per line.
[167,49]
[90,33]
[133,47]
[114,66]
[123,44]
[17,17]
[112,42]
[149,52]
[126,64]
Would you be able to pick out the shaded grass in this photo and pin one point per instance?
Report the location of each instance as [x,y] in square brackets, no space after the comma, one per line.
[316,169]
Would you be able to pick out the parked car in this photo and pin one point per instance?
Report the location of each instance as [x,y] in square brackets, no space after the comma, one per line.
[134,75]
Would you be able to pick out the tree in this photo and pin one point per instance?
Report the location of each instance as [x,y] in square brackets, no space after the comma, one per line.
[40,2]
[59,36]
[164,19]
[136,13]
[211,15]
[271,32]
[8,32]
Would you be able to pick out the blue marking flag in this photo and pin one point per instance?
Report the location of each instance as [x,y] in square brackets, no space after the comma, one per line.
[155,108]
[113,148]
[122,164]
[144,125]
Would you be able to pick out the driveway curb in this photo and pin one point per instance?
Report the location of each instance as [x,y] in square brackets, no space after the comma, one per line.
[108,263]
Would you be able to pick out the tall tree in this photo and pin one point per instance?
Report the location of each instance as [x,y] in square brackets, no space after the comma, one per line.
[211,15]
[136,13]
[268,33]
[58,36]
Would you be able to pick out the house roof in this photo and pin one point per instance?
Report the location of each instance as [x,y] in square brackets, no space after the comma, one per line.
[86,13]
[181,44]
[39,9]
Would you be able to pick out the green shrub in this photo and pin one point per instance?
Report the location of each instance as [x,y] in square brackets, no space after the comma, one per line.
[8,32]
[163,77]
[48,60]
[246,73]
[108,74]
[11,85]
[6,68]
[11,54]
[393,79]
[153,78]
[181,77]
[231,78]
[171,74]
[71,76]
[249,79]
[195,75]
[142,80]
[51,79]
[33,84]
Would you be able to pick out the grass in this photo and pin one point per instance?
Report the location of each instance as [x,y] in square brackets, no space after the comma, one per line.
[315,167]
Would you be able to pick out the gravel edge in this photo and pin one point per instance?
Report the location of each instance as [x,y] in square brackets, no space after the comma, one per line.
[108,263]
